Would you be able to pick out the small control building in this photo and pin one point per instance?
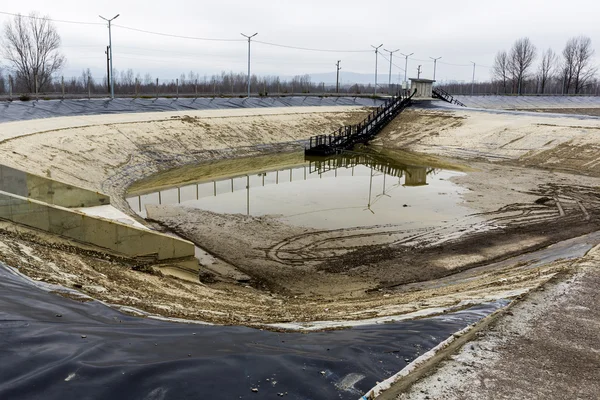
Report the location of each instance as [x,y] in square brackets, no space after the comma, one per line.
[423,87]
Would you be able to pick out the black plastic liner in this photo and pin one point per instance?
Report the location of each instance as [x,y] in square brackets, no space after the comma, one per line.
[52,347]
[26,110]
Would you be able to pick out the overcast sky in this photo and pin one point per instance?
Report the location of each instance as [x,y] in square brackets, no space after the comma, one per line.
[459,31]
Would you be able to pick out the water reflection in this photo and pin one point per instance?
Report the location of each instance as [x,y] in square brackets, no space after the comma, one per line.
[326,193]
[415,175]
[315,167]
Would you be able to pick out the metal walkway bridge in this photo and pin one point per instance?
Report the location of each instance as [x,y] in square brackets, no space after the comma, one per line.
[447,97]
[348,136]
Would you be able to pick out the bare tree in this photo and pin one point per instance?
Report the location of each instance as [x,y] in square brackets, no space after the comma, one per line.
[31,44]
[2,82]
[546,69]
[568,65]
[87,79]
[521,57]
[500,68]
[583,71]
[577,69]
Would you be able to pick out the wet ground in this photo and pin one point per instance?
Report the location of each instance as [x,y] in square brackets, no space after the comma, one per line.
[365,221]
[65,348]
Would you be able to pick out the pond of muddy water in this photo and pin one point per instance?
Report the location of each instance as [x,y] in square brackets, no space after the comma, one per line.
[352,190]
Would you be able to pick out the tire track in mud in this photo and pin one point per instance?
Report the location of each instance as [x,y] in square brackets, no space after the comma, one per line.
[568,203]
[308,247]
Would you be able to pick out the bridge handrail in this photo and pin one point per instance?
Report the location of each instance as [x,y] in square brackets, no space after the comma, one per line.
[447,97]
[364,129]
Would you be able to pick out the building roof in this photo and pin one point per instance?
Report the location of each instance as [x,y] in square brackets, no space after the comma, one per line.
[422,80]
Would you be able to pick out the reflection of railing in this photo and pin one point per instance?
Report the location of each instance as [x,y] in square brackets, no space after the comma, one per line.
[349,159]
[198,190]
[375,160]
[414,176]
[348,136]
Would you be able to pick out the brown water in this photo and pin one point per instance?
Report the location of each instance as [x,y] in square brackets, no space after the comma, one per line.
[338,193]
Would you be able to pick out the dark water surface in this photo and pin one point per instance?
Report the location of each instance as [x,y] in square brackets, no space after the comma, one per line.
[44,356]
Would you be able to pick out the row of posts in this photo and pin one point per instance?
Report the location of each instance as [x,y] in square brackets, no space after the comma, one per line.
[89,87]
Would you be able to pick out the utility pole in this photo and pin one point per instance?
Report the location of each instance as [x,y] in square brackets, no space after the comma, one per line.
[418,72]
[376,53]
[249,39]
[406,63]
[473,82]
[434,65]
[112,80]
[107,71]
[337,78]
[391,55]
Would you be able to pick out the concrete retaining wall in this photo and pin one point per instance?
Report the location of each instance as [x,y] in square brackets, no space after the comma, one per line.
[116,237]
[47,190]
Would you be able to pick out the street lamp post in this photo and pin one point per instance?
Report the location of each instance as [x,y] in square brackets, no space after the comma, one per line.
[473,82]
[337,77]
[406,63]
[434,65]
[376,52]
[249,39]
[112,79]
[391,55]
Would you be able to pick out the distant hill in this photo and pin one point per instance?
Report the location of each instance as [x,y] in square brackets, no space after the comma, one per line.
[350,78]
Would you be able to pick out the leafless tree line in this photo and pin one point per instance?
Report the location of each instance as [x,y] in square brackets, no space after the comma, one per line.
[572,71]
[130,83]
[531,88]
[31,44]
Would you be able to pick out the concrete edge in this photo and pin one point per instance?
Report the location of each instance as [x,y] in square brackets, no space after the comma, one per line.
[405,378]
[189,246]
[44,189]
[401,382]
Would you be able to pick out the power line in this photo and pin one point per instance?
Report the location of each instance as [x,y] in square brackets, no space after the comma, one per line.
[454,65]
[52,20]
[165,53]
[417,59]
[191,37]
[311,49]
[179,36]
[393,63]
[222,39]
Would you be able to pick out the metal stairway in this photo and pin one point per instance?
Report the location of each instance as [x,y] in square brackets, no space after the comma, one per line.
[346,137]
[447,97]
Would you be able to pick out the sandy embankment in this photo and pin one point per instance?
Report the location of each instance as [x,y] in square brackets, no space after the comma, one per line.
[109,153]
